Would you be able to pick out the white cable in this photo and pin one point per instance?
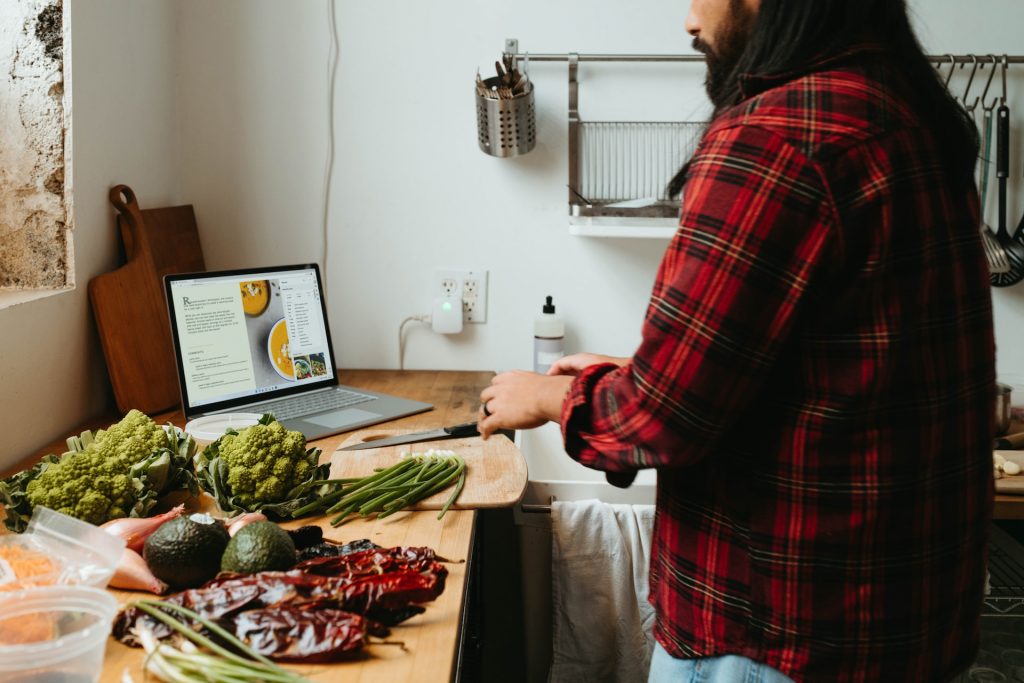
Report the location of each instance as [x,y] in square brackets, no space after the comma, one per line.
[422,318]
[332,72]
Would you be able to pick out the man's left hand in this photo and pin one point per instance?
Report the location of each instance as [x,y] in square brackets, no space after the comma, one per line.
[521,400]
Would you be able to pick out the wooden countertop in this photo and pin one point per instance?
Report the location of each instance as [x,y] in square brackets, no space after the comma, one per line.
[1010,506]
[454,394]
[432,639]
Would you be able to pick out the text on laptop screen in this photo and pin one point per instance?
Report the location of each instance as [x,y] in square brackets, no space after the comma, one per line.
[249,334]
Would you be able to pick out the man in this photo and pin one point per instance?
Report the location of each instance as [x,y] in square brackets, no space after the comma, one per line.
[816,374]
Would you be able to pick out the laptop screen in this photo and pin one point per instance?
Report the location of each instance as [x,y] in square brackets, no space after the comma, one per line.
[243,334]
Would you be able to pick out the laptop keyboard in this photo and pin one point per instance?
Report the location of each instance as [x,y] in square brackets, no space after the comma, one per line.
[296,406]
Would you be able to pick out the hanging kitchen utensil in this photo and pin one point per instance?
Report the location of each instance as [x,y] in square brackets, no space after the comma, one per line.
[505,112]
[994,252]
[1014,248]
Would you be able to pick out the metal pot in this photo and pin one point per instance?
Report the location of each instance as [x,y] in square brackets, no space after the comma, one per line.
[1003,392]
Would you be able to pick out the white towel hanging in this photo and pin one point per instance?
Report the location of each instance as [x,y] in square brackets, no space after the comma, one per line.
[602,628]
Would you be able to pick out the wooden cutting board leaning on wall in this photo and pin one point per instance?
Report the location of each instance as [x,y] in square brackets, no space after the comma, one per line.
[129,303]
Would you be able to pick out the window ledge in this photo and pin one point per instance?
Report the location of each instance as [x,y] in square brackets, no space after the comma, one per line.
[12,297]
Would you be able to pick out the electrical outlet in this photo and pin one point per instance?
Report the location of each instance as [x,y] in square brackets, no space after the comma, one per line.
[450,286]
[474,296]
[471,285]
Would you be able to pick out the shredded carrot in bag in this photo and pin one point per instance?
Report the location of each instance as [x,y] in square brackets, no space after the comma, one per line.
[26,564]
[30,568]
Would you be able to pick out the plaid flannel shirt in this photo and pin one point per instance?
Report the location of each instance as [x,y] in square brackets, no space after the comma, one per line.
[815,386]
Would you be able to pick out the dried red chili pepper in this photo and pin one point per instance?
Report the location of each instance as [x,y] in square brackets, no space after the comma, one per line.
[383,585]
[390,598]
[293,633]
[374,561]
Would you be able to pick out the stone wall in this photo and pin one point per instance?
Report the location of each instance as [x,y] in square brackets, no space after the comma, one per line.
[34,215]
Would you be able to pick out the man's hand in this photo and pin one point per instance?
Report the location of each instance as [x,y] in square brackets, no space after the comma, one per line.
[521,400]
[577,362]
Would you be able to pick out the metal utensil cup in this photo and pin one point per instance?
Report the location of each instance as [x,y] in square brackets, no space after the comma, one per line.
[506,127]
[1002,421]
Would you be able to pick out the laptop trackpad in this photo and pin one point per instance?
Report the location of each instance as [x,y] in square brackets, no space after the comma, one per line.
[340,418]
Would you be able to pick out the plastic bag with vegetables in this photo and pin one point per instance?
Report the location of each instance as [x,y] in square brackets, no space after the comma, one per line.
[264,468]
[116,472]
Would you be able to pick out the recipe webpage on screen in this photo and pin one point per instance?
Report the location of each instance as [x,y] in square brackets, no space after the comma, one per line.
[240,336]
[213,341]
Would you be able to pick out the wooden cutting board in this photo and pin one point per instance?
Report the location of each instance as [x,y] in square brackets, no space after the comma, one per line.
[495,469]
[129,303]
[1012,485]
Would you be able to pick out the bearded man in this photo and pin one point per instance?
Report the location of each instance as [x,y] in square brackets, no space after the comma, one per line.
[816,373]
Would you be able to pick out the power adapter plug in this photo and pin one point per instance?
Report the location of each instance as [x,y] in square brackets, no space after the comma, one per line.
[447,315]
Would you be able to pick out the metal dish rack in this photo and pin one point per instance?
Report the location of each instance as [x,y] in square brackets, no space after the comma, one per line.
[619,169]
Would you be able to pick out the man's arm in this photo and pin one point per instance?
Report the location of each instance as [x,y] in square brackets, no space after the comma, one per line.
[756,224]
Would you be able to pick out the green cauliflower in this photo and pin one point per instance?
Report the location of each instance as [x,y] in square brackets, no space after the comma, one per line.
[261,468]
[112,473]
[131,440]
[261,459]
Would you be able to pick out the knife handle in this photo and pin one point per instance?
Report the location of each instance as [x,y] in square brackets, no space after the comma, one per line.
[467,429]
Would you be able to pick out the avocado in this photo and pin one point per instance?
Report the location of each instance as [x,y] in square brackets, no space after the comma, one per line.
[259,547]
[185,552]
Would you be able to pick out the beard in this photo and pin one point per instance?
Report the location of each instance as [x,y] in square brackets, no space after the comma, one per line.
[723,58]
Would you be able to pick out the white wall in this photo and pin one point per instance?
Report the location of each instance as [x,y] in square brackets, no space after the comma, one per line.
[991,27]
[252,85]
[52,374]
[412,192]
[245,82]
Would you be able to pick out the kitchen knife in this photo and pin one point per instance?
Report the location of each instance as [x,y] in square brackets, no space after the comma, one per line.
[456,432]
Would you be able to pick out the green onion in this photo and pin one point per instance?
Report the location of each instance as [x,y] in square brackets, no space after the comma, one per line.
[219,664]
[394,488]
[455,493]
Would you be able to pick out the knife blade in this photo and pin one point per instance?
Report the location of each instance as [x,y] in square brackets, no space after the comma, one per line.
[456,432]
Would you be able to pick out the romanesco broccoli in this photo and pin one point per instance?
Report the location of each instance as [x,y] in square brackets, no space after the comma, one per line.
[113,473]
[264,461]
[264,468]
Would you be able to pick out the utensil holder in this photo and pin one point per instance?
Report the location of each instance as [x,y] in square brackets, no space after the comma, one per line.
[506,127]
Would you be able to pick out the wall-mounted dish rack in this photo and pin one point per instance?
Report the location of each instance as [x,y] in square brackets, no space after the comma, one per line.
[618,170]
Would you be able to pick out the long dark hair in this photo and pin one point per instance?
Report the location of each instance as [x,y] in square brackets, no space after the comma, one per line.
[790,34]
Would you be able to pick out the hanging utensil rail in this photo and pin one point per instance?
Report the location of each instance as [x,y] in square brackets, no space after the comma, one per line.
[619,169]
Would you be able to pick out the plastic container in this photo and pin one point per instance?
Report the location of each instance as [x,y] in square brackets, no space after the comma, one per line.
[207,429]
[548,338]
[57,549]
[54,634]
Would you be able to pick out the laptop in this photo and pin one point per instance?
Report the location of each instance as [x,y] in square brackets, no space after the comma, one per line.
[257,341]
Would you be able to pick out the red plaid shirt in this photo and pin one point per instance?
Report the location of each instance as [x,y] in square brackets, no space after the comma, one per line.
[815,387]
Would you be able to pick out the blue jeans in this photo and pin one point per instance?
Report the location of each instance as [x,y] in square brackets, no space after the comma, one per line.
[728,669]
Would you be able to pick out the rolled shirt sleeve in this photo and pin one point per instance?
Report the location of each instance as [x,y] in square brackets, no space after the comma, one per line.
[755,231]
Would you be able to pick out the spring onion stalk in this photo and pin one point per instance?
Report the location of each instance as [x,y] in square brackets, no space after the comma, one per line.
[455,494]
[415,477]
[190,665]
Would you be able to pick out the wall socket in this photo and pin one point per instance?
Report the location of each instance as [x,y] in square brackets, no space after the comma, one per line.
[471,285]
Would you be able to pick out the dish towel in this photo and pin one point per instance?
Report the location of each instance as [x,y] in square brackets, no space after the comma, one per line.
[602,626]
